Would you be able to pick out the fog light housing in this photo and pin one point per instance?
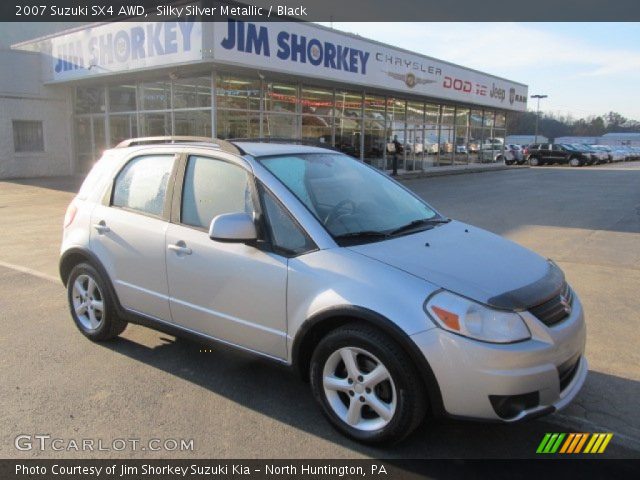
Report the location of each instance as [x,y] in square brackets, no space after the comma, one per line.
[510,406]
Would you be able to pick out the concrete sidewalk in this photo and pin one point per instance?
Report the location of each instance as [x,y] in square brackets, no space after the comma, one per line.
[453,170]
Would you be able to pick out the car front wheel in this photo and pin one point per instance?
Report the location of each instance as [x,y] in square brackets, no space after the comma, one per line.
[91,304]
[366,385]
[575,162]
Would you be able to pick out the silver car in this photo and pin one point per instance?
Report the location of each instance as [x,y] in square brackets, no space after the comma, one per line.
[308,257]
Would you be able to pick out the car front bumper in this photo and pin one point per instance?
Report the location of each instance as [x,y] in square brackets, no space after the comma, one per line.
[529,379]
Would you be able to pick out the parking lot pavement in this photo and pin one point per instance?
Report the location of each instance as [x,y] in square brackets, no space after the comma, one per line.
[149,385]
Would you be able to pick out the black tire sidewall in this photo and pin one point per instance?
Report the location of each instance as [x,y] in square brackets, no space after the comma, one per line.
[402,422]
[103,332]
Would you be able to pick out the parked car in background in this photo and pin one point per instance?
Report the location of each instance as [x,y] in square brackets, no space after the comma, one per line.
[589,152]
[550,153]
[517,153]
[618,154]
[493,153]
[601,154]
[607,152]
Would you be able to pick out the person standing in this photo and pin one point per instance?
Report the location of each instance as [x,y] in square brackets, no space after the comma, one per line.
[397,150]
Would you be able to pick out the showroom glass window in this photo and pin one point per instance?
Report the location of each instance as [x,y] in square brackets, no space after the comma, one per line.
[192,106]
[475,134]
[238,101]
[374,130]
[348,122]
[415,135]
[431,134]
[280,105]
[461,148]
[447,135]
[396,124]
[317,105]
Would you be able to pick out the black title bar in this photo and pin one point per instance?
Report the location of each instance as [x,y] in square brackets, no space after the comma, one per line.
[323,10]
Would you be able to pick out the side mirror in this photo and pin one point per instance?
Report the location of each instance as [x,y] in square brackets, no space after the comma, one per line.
[233,228]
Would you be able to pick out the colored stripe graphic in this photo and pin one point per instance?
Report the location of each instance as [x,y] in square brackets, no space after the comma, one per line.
[581,443]
[543,443]
[550,443]
[573,443]
[567,442]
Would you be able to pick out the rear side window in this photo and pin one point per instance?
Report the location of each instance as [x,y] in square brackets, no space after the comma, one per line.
[213,187]
[142,184]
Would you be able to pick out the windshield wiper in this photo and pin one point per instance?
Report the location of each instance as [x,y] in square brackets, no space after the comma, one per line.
[362,234]
[418,223]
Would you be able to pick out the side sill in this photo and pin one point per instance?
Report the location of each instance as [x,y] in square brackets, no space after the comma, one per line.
[177,331]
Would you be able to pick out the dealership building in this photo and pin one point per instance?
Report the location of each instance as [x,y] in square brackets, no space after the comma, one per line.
[66,97]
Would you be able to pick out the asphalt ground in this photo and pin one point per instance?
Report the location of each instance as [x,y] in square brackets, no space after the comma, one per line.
[148,385]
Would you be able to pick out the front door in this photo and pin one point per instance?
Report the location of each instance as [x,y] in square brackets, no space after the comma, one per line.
[229,291]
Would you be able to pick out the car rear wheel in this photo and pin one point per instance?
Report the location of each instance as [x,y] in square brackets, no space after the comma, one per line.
[575,162]
[92,305]
[366,385]
[534,161]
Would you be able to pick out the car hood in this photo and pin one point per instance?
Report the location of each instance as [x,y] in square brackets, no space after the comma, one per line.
[472,262]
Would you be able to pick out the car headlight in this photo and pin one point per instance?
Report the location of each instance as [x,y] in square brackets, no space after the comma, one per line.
[470,319]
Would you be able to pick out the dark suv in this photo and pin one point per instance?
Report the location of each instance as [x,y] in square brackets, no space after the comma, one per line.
[549,153]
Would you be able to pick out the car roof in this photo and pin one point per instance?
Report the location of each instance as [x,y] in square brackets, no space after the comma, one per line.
[260,149]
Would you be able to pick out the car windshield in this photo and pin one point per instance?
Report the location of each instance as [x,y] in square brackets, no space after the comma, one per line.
[569,147]
[354,202]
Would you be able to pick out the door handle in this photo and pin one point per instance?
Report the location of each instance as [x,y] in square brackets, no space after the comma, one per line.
[180,248]
[101,227]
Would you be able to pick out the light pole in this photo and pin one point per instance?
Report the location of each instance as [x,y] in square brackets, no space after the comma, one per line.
[538,113]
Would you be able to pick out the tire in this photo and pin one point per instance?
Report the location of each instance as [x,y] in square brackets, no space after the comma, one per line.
[92,305]
[575,162]
[400,395]
[534,161]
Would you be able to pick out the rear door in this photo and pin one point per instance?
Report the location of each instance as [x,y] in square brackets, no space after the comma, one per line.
[557,154]
[232,292]
[128,233]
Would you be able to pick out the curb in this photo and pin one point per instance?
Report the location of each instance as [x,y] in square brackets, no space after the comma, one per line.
[436,172]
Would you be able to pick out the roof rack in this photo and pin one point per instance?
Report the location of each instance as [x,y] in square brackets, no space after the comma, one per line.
[295,141]
[222,144]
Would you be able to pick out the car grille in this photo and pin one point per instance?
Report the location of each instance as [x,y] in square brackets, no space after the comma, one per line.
[555,310]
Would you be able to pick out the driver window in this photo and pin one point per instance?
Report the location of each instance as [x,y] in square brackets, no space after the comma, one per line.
[213,187]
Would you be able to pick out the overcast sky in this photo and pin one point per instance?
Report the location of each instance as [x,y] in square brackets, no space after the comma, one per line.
[585,68]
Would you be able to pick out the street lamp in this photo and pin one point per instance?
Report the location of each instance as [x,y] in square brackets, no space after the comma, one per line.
[538,113]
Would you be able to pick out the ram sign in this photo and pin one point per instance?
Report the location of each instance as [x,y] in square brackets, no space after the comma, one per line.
[117,47]
[306,50]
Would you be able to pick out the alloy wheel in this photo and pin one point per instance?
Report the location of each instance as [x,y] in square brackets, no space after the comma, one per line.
[359,389]
[88,302]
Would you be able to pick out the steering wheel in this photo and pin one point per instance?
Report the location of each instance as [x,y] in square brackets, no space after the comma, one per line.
[334,214]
